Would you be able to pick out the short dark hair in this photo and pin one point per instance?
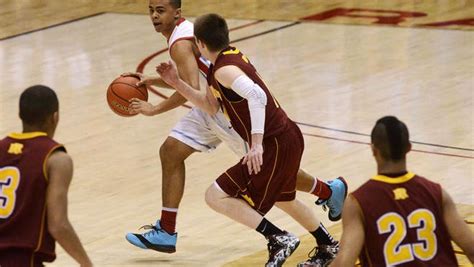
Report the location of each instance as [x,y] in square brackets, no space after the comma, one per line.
[391,137]
[175,3]
[37,103]
[212,30]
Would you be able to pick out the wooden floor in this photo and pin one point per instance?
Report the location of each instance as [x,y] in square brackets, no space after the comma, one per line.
[26,15]
[333,78]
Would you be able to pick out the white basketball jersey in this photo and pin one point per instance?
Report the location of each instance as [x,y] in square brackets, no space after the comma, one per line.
[198,129]
[184,30]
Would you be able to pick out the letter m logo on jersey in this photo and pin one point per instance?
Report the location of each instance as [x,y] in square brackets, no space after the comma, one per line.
[400,193]
[15,148]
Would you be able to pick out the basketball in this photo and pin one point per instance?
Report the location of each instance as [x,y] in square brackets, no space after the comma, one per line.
[121,90]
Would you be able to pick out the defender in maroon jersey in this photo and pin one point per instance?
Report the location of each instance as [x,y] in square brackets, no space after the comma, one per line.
[35,173]
[250,188]
[198,131]
[399,218]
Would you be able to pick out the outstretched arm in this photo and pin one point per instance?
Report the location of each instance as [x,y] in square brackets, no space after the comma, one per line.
[457,228]
[353,234]
[148,80]
[60,175]
[203,99]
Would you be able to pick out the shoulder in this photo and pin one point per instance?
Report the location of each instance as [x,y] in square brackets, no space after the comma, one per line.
[430,186]
[352,208]
[227,74]
[182,49]
[227,70]
[59,158]
[367,186]
[184,26]
[367,192]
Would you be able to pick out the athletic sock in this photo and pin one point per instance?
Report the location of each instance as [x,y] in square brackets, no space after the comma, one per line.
[267,228]
[323,237]
[321,189]
[168,219]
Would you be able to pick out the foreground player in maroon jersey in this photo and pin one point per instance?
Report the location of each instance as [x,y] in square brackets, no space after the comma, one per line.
[249,189]
[397,217]
[35,173]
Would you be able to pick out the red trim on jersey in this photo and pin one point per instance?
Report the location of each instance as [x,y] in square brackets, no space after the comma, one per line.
[203,67]
[180,20]
[180,39]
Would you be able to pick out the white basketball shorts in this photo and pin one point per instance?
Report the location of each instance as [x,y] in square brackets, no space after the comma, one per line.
[204,132]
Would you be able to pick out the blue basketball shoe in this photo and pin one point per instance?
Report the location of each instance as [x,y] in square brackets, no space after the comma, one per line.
[335,202]
[156,239]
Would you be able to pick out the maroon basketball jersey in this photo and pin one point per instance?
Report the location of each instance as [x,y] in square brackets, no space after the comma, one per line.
[236,107]
[404,224]
[23,184]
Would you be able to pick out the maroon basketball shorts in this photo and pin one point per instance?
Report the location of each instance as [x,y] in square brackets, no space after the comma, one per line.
[18,258]
[277,179]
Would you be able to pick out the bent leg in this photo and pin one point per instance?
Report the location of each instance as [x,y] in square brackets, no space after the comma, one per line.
[234,208]
[301,213]
[304,181]
[173,153]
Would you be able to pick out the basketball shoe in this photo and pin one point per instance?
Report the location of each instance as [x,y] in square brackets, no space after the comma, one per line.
[322,256]
[336,201]
[156,239]
[280,247]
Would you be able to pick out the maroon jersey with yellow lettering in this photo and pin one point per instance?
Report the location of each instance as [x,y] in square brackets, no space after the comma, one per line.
[403,221]
[282,141]
[236,107]
[23,185]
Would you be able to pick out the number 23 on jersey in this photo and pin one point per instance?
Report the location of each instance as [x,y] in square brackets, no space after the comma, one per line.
[424,249]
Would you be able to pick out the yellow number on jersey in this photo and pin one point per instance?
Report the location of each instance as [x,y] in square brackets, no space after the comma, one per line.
[426,233]
[394,253]
[9,181]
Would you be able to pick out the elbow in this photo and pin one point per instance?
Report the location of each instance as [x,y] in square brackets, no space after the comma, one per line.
[58,228]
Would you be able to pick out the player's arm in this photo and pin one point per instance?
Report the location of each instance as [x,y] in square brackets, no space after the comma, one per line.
[457,228]
[148,80]
[203,99]
[60,168]
[353,234]
[233,77]
[182,54]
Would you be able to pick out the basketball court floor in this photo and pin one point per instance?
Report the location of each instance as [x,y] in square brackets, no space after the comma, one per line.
[335,76]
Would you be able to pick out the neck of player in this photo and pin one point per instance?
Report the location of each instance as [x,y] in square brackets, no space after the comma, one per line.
[391,167]
[212,56]
[33,128]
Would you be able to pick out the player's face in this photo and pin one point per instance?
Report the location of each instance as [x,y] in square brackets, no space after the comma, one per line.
[163,15]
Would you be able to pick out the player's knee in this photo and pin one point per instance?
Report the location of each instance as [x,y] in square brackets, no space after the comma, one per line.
[211,197]
[170,152]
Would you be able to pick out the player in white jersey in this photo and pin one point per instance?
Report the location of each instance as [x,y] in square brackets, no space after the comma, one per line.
[197,131]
